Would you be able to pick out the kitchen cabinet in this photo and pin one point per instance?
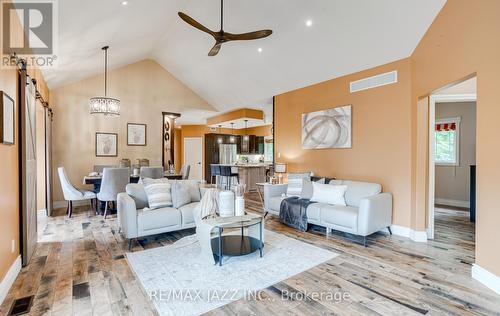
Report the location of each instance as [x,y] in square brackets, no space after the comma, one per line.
[251,145]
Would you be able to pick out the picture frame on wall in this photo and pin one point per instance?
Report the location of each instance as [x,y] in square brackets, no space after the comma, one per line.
[136,134]
[330,128]
[7,119]
[106,144]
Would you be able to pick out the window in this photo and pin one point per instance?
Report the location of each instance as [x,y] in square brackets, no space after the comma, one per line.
[268,149]
[446,144]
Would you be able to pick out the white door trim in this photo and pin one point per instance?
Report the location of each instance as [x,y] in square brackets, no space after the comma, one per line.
[433,99]
[201,150]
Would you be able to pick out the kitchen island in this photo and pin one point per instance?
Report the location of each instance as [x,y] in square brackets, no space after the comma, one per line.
[249,174]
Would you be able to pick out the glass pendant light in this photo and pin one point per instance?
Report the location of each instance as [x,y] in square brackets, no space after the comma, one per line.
[105,105]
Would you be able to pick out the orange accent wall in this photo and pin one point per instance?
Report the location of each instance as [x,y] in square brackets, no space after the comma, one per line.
[389,141]
[381,133]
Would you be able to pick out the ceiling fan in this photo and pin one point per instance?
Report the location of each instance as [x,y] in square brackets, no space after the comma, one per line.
[221,36]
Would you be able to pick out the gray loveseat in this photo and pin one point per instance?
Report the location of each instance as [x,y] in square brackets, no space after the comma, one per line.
[136,221]
[368,210]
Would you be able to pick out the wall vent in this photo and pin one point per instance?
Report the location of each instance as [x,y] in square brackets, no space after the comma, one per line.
[375,81]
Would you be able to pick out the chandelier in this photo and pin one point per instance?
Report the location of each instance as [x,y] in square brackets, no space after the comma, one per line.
[105,105]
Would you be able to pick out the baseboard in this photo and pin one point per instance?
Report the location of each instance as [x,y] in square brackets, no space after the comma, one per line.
[9,278]
[64,204]
[456,203]
[487,278]
[418,236]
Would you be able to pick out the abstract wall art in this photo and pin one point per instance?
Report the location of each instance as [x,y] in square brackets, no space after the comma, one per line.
[330,128]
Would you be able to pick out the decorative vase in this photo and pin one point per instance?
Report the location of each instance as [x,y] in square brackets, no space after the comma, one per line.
[239,206]
[226,204]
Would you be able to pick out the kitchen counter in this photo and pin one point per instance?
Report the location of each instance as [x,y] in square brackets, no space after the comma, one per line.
[250,174]
[259,165]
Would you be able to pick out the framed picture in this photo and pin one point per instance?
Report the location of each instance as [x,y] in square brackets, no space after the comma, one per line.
[136,134]
[106,144]
[7,119]
[330,128]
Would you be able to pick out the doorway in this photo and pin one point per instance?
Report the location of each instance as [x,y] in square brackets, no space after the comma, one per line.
[193,156]
[452,154]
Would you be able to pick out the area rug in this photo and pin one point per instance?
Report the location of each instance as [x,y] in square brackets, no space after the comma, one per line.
[178,282]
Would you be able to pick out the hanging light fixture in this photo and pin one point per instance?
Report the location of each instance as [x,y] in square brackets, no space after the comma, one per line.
[232,139]
[245,137]
[105,105]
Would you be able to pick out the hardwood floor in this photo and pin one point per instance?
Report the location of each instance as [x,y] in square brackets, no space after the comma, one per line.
[79,269]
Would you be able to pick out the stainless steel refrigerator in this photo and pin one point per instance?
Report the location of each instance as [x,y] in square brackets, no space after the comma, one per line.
[227,154]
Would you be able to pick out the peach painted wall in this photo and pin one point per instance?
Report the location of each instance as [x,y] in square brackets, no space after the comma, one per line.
[449,52]
[9,173]
[390,138]
[380,128]
[145,89]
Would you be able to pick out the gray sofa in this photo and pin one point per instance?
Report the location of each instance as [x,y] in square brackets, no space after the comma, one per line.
[136,222]
[368,210]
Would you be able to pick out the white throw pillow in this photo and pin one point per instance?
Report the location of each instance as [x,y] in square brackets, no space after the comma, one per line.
[329,194]
[159,192]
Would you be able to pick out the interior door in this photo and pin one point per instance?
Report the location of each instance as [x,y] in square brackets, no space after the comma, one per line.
[28,166]
[193,156]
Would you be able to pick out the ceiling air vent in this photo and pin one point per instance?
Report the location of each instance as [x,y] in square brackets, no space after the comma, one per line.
[375,81]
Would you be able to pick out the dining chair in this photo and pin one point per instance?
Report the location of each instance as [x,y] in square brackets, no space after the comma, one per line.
[151,172]
[73,194]
[114,181]
[100,168]
[185,172]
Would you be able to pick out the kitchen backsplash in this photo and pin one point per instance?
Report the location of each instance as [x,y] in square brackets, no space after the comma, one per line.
[250,158]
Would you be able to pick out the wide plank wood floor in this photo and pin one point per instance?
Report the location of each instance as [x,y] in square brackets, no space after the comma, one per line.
[79,269]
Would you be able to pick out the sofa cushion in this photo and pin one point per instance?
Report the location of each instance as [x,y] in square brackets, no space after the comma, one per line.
[187,213]
[193,187]
[356,191]
[180,194]
[295,183]
[345,216]
[137,193]
[330,194]
[275,202]
[307,187]
[159,192]
[313,212]
[148,219]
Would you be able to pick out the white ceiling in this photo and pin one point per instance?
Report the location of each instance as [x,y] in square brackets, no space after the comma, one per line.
[346,36]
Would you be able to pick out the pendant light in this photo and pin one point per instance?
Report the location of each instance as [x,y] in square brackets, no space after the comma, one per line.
[245,137]
[105,105]
[232,139]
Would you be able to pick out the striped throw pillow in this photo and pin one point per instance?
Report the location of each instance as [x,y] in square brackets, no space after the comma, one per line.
[296,182]
[159,192]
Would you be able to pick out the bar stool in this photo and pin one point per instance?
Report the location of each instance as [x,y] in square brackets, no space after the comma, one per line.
[227,174]
[214,171]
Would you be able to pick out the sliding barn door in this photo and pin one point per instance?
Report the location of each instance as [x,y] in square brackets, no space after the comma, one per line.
[48,161]
[28,166]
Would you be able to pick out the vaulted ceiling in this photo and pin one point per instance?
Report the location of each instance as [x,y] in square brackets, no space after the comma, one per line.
[345,36]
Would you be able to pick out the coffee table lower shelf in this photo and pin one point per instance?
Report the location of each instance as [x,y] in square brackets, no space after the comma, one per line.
[235,245]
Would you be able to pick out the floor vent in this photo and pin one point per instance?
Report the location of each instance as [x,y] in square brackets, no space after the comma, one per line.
[21,306]
[375,81]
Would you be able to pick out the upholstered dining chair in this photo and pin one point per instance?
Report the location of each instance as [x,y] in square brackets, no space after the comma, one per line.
[114,181]
[100,168]
[151,172]
[185,172]
[73,194]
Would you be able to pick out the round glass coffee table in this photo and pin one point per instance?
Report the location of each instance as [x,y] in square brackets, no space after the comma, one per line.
[237,244]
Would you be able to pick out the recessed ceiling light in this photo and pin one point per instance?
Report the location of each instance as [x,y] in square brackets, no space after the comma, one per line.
[259,49]
[309,23]
[124,2]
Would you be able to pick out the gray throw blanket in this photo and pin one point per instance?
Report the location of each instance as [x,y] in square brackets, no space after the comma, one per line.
[293,212]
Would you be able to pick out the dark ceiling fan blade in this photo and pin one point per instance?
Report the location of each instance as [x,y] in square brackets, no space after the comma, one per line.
[215,50]
[189,20]
[247,36]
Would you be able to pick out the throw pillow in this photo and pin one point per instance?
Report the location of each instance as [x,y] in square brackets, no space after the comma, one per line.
[329,194]
[295,183]
[159,192]
[307,188]
[180,194]
[193,187]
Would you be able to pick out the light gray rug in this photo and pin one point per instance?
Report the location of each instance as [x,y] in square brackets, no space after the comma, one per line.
[179,283]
